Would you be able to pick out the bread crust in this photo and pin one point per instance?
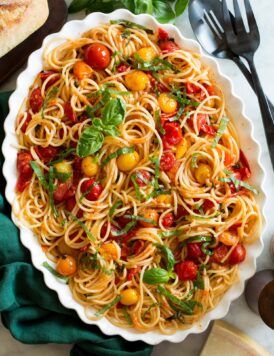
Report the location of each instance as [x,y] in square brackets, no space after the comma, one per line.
[18,20]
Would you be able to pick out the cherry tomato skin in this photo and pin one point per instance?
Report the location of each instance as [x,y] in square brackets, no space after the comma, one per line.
[173,135]
[145,174]
[63,191]
[66,266]
[181,212]
[237,255]
[162,34]
[95,191]
[167,161]
[36,100]
[122,68]
[192,88]
[219,253]
[70,114]
[24,170]
[168,46]
[46,154]
[208,204]
[168,220]
[132,272]
[70,203]
[245,164]
[137,246]
[97,56]
[186,270]
[194,250]
[26,123]
[47,73]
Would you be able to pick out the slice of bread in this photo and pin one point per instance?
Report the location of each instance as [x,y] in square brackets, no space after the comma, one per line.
[18,20]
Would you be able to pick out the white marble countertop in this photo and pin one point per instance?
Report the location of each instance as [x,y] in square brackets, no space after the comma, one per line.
[239,314]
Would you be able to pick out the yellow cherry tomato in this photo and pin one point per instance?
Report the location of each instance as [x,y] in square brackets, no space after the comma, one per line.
[129,296]
[82,70]
[128,161]
[63,167]
[108,251]
[89,167]
[228,239]
[182,148]
[167,104]
[146,53]
[164,199]
[210,103]
[150,214]
[66,265]
[203,172]
[136,80]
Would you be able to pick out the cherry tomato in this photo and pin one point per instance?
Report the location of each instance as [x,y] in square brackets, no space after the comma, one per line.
[113,228]
[167,161]
[137,247]
[47,73]
[97,56]
[245,165]
[141,177]
[208,204]
[219,253]
[204,127]
[168,220]
[93,188]
[70,203]
[66,265]
[121,68]
[26,123]
[192,88]
[181,212]
[36,100]
[186,270]
[173,134]
[24,170]
[132,272]
[237,255]
[64,191]
[194,250]
[46,154]
[152,215]
[162,34]
[70,114]
[234,228]
[168,46]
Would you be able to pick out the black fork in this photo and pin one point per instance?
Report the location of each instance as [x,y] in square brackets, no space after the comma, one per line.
[245,44]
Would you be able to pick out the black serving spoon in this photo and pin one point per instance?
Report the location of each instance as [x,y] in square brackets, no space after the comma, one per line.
[206,20]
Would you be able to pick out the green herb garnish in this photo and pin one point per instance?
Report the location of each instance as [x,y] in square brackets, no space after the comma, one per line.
[81,224]
[108,306]
[223,124]
[53,271]
[117,153]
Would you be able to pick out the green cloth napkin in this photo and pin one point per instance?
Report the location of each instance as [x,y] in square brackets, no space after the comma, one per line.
[30,310]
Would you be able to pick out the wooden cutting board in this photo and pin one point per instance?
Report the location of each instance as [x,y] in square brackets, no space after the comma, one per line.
[14,59]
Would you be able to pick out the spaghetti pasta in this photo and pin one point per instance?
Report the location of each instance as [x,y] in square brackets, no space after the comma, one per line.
[131,176]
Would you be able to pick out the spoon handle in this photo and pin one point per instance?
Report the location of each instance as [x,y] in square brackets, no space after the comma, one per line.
[248,77]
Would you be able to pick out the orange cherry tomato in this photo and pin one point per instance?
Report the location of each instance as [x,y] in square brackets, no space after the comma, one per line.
[152,215]
[81,70]
[97,56]
[66,265]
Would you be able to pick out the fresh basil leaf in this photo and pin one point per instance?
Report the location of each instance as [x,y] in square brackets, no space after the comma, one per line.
[115,206]
[170,233]
[137,188]
[153,305]
[141,218]
[78,5]
[139,6]
[114,112]
[130,24]
[51,188]
[108,306]
[180,6]
[89,261]
[163,11]
[63,177]
[120,151]
[126,315]
[197,239]
[156,276]
[223,124]
[37,170]
[64,154]
[86,192]
[111,131]
[53,91]
[158,122]
[53,271]
[205,250]
[81,224]
[238,183]
[199,282]
[90,141]
[168,256]
[125,230]
[156,162]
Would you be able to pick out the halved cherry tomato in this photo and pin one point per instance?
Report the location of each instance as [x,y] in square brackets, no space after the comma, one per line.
[36,100]
[26,122]
[186,270]
[24,170]
[168,220]
[93,188]
[46,154]
[167,161]
[219,253]
[64,191]
[47,73]
[202,125]
[162,34]
[181,212]
[113,228]
[141,177]
[70,114]
[132,272]
[208,204]
[121,68]
[237,255]
[97,56]
[173,133]
[245,164]
[194,250]
[167,46]
[192,88]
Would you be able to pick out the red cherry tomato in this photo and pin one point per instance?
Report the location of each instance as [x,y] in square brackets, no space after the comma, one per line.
[186,270]
[113,228]
[194,250]
[47,73]
[245,164]
[202,125]
[237,255]
[70,204]
[137,247]
[208,204]
[167,161]
[92,188]
[141,177]
[70,114]
[26,122]
[192,88]
[122,68]
[173,135]
[97,56]
[168,46]
[162,34]
[36,100]
[132,272]
[46,154]
[219,253]
[168,220]
[234,228]
[24,170]
[64,191]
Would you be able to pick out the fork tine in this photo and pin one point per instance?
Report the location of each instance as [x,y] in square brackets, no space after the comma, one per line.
[213,29]
[239,23]
[227,21]
[215,21]
[250,17]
